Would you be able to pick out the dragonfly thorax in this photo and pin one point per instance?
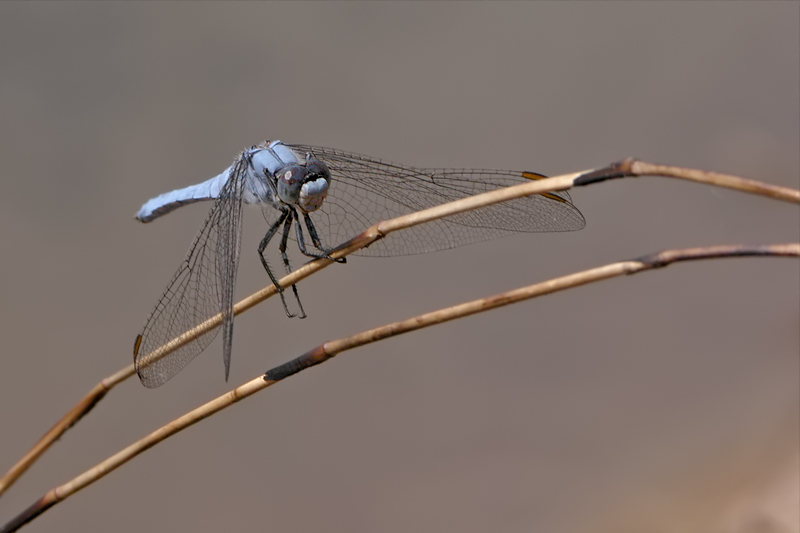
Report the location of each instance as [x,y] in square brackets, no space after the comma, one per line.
[305,186]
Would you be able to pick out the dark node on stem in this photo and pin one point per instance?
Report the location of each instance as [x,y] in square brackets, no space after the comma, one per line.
[620,169]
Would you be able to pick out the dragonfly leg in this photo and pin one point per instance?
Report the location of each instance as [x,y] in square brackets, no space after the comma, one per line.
[263,246]
[312,230]
[301,243]
[291,215]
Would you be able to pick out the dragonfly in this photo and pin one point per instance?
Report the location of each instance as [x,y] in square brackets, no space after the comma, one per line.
[328,196]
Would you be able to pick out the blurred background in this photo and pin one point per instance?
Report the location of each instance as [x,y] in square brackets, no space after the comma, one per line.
[666,401]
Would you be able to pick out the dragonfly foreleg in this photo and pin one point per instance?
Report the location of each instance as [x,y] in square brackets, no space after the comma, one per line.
[263,246]
[315,239]
[291,215]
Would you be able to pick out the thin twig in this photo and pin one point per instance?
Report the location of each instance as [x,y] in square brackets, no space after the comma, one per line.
[366,238]
[329,349]
[626,168]
[635,168]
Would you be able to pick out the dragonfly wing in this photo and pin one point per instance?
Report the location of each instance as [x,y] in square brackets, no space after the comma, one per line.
[228,246]
[365,190]
[202,288]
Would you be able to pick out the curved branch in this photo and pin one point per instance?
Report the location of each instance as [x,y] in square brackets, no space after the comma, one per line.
[626,168]
[330,349]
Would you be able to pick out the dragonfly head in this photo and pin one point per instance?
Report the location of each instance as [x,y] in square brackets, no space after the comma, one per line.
[305,186]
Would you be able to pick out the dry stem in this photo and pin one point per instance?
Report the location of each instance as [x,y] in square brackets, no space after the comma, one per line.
[626,168]
[329,349]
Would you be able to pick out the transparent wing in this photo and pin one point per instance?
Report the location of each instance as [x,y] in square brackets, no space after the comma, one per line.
[202,287]
[366,190]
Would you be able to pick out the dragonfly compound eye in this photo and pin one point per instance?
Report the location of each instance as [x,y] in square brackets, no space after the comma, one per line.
[289,181]
[315,187]
[316,169]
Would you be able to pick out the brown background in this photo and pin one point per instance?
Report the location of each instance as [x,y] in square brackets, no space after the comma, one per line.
[660,393]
